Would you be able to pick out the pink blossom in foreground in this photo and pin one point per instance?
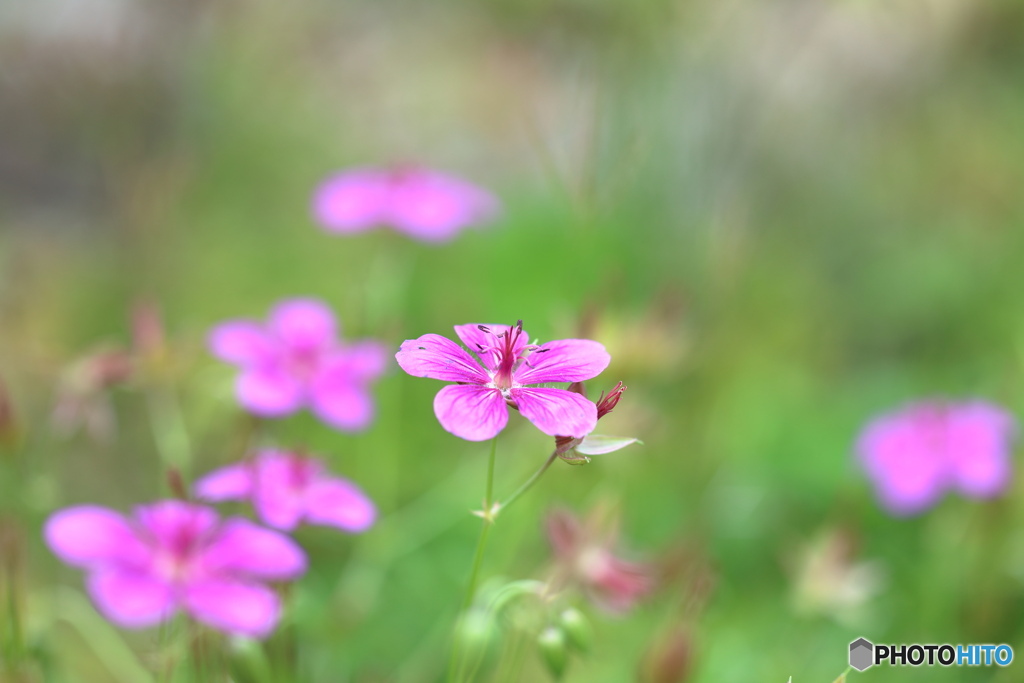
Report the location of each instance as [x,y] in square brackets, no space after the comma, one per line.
[584,556]
[174,555]
[425,204]
[505,364]
[295,360]
[286,488]
[918,453]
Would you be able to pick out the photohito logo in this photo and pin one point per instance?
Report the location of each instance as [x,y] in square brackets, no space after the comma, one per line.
[864,654]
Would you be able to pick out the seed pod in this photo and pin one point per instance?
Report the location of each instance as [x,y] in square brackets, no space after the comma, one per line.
[554,650]
[577,628]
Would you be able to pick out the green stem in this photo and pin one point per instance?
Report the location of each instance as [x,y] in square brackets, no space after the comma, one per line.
[478,556]
[528,484]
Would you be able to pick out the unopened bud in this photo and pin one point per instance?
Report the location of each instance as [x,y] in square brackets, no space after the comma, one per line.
[577,628]
[148,339]
[554,650]
[8,425]
[671,660]
[577,388]
[176,484]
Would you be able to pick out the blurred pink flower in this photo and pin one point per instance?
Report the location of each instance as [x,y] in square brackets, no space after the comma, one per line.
[914,455]
[296,360]
[286,488]
[474,407]
[174,555]
[583,555]
[424,204]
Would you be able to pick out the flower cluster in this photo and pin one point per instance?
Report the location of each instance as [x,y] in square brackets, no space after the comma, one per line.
[918,453]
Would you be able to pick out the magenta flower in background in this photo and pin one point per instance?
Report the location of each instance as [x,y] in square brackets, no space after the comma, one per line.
[918,453]
[425,204]
[286,488]
[174,555]
[475,407]
[296,360]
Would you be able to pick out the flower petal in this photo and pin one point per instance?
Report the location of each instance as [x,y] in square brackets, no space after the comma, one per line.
[167,521]
[339,393]
[565,360]
[241,342]
[340,401]
[131,599]
[471,412]
[556,412]
[434,356]
[596,444]
[339,503]
[280,486]
[898,456]
[565,532]
[476,340]
[978,448]
[89,536]
[352,201]
[233,482]
[434,206]
[235,607]
[242,547]
[363,361]
[269,392]
[303,324]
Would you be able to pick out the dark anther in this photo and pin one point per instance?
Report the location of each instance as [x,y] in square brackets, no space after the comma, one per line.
[422,348]
[484,328]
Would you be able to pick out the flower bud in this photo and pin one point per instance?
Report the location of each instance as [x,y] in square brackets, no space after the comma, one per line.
[8,424]
[577,628]
[554,650]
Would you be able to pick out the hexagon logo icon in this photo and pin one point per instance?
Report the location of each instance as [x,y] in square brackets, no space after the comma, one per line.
[861,651]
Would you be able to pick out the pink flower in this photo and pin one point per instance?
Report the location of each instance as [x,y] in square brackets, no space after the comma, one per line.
[474,408]
[174,555]
[286,488]
[424,204]
[295,360]
[583,556]
[914,455]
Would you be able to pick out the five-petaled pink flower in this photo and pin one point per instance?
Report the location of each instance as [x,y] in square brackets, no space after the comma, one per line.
[296,360]
[174,555]
[474,408]
[584,557]
[425,204]
[286,488]
[916,454]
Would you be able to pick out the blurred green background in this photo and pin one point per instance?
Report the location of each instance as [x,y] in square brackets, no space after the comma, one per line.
[780,217]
